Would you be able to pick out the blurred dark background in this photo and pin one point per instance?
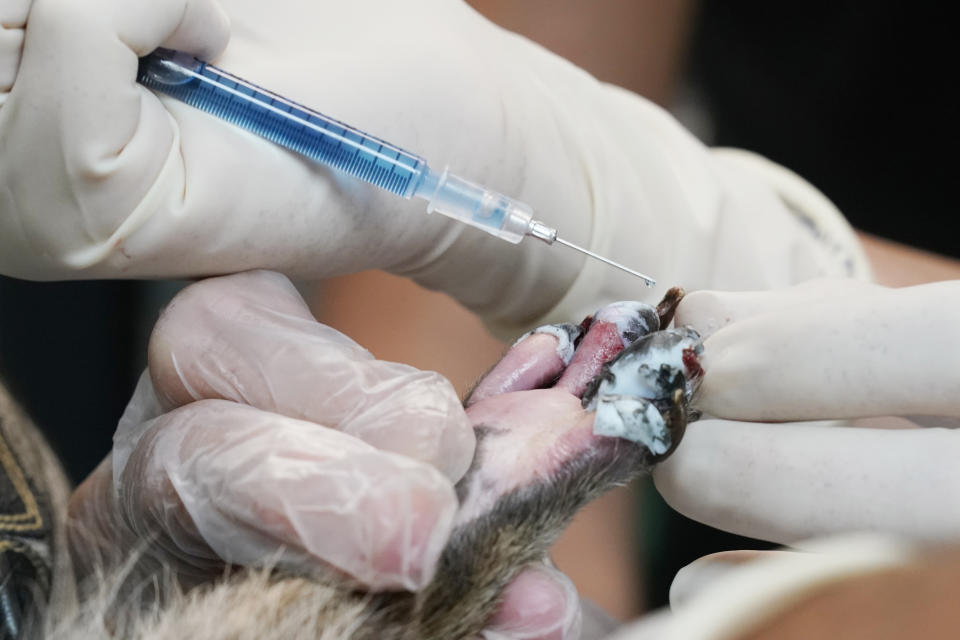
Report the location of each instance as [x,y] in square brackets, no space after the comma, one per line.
[71,353]
[852,95]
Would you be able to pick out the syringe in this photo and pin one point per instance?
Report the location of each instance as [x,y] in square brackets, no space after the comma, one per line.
[342,147]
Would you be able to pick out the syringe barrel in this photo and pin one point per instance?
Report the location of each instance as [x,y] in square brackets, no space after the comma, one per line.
[288,124]
[331,142]
[475,205]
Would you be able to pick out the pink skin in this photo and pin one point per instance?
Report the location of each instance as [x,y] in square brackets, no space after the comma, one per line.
[606,337]
[530,434]
[540,358]
[530,364]
[601,343]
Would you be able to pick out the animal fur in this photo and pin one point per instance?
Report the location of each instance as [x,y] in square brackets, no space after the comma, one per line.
[481,558]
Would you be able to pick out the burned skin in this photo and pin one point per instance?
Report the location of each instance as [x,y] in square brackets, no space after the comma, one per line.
[486,552]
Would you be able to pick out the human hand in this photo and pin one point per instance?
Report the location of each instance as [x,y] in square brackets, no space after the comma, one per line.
[257,428]
[101,178]
[259,436]
[824,350]
[758,594]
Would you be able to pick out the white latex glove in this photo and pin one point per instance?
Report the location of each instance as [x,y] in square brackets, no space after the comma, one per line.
[259,436]
[101,178]
[823,350]
[728,595]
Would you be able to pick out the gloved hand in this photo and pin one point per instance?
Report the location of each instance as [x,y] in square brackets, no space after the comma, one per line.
[740,594]
[101,178]
[257,429]
[824,350]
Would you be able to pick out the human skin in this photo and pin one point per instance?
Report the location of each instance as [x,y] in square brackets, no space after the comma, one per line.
[916,601]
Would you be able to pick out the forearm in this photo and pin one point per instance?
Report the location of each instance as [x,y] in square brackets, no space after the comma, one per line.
[898,265]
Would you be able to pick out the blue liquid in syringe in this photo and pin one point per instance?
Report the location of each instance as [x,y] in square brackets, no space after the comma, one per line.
[342,147]
[283,122]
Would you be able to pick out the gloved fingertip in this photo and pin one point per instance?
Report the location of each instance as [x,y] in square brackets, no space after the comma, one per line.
[706,311]
[204,30]
[418,415]
[193,351]
[540,604]
[694,577]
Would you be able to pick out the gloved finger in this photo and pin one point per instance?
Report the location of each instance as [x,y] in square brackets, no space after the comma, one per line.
[744,602]
[13,19]
[888,352]
[243,483]
[137,27]
[786,482]
[709,311]
[540,604]
[77,74]
[250,338]
[652,626]
[694,577]
[203,31]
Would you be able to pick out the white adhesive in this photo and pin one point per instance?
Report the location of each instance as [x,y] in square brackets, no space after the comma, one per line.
[636,374]
[565,346]
[633,419]
[630,318]
[642,383]
[645,373]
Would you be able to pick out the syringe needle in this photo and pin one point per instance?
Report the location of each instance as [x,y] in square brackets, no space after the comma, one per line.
[650,281]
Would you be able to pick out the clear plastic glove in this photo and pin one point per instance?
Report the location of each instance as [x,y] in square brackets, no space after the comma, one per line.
[260,436]
[824,350]
[101,178]
[256,427]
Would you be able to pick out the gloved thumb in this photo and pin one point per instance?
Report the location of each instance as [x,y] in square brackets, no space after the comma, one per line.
[76,75]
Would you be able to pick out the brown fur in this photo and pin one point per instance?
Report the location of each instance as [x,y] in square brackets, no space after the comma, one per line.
[479,561]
